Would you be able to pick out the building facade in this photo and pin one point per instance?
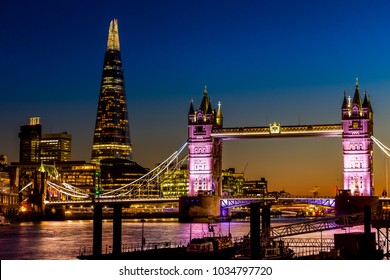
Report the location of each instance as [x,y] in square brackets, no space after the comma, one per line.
[30,139]
[112,132]
[9,191]
[232,182]
[357,121]
[115,173]
[36,147]
[255,187]
[176,184]
[78,174]
[56,147]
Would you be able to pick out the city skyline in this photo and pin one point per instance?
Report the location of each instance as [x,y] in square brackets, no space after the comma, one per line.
[288,62]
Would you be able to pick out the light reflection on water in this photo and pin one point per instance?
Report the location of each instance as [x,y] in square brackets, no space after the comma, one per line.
[57,240]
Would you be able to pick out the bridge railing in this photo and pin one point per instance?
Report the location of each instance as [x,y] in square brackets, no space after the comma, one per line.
[313,226]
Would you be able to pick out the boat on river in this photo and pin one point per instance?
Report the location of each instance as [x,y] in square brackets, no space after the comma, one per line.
[269,250]
[215,247]
[276,250]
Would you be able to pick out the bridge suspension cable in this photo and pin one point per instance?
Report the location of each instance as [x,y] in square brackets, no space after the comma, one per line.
[68,189]
[25,187]
[146,185]
[149,181]
[381,146]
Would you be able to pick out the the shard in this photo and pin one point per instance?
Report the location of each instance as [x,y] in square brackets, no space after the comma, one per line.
[112,132]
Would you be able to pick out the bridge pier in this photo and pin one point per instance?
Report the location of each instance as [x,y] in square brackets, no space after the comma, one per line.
[97,229]
[117,230]
[255,230]
[346,204]
[198,207]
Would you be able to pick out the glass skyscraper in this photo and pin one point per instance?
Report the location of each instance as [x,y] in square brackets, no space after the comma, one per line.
[112,133]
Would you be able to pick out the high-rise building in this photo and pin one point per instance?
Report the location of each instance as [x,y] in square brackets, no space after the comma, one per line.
[30,139]
[112,132]
[56,147]
[36,147]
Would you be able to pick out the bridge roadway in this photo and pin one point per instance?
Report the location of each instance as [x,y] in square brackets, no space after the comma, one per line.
[226,202]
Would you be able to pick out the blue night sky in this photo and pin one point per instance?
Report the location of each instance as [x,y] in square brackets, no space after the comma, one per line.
[284,61]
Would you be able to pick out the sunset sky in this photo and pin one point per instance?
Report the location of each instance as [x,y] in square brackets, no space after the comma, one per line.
[265,61]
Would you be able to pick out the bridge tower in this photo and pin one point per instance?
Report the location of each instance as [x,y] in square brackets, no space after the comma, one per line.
[358,127]
[205,152]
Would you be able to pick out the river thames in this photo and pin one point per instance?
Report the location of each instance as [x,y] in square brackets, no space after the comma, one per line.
[63,240]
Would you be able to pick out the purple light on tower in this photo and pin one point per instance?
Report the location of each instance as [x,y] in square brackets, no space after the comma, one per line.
[205,152]
[357,120]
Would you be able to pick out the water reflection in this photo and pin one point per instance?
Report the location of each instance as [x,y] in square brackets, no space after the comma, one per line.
[58,240]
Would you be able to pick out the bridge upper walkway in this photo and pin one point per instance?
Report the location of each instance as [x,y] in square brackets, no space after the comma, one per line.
[277,130]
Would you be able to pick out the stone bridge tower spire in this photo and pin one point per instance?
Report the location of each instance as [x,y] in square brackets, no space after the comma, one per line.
[357,121]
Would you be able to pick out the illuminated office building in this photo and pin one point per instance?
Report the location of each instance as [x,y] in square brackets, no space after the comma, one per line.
[232,182]
[79,174]
[176,185]
[30,139]
[56,147]
[255,187]
[112,133]
[9,192]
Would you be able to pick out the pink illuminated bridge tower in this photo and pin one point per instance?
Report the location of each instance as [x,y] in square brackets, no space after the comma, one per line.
[206,135]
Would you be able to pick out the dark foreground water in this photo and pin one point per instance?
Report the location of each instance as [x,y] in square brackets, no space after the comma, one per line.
[57,240]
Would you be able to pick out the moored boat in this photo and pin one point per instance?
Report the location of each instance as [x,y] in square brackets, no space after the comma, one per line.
[215,247]
[276,250]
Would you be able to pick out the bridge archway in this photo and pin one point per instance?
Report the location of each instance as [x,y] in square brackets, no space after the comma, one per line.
[309,162]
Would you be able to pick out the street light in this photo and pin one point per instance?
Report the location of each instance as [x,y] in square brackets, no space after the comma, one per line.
[142,235]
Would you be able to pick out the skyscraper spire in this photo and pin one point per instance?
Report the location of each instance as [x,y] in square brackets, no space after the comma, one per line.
[112,132]
[113,36]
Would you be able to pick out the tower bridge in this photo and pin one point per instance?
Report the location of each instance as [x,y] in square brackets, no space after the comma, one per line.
[206,135]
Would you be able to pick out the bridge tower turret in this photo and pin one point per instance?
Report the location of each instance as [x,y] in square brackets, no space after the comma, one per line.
[205,152]
[357,120]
